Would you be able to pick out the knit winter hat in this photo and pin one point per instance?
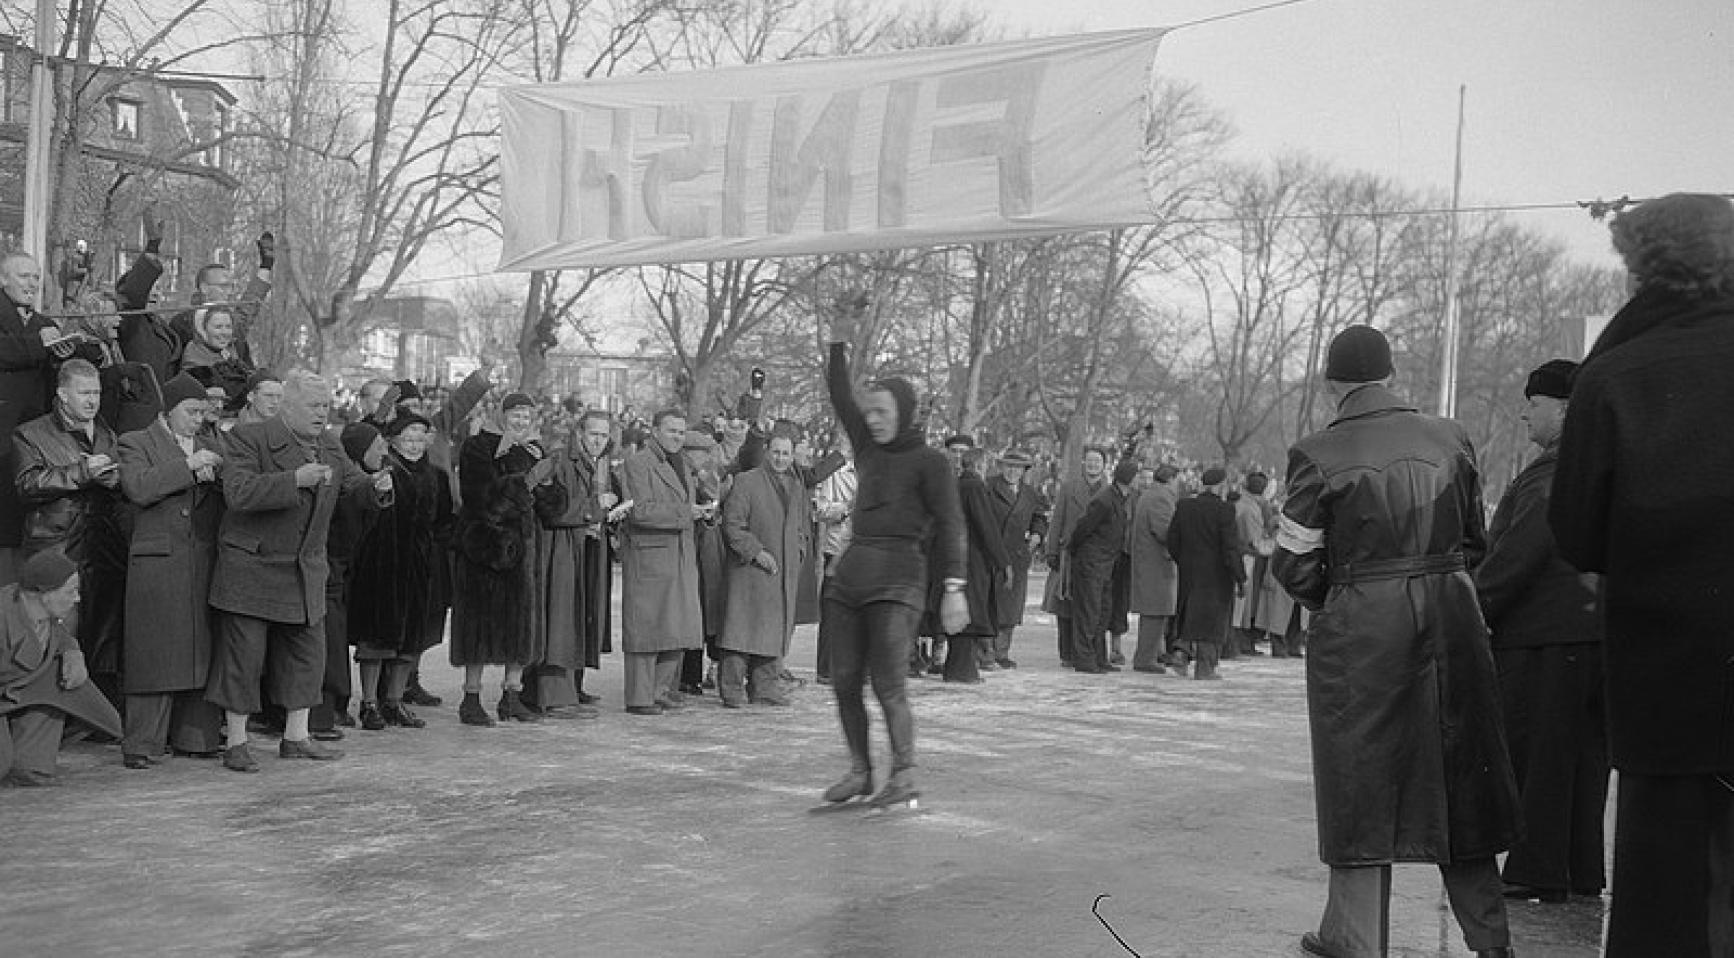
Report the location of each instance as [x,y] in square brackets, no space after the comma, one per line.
[1359,354]
[180,389]
[46,571]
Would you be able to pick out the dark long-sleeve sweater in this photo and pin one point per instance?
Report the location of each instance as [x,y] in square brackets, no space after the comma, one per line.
[904,495]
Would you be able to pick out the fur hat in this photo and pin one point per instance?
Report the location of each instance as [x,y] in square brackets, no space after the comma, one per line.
[1552,378]
[1359,354]
[403,418]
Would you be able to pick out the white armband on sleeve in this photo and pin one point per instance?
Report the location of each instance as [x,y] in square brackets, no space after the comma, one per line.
[1293,537]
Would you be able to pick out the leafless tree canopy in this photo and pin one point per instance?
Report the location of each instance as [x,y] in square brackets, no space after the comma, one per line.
[371,143]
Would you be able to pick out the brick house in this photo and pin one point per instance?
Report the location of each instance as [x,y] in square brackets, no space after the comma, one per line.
[141,138]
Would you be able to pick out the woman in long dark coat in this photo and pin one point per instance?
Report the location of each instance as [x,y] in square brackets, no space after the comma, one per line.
[393,576]
[496,618]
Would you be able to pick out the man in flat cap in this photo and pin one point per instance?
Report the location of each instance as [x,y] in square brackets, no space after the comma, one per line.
[1382,524]
[1205,543]
[43,679]
[1546,642]
[1022,513]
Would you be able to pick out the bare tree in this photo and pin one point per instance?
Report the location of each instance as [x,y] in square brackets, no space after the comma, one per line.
[1251,279]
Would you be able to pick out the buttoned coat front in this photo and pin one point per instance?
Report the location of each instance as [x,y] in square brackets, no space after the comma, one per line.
[169,563]
[658,558]
[760,613]
[271,543]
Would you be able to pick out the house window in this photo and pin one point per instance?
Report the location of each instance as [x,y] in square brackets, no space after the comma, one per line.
[381,346]
[213,155]
[613,384]
[126,115]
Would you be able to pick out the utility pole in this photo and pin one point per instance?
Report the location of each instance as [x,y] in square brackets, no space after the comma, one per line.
[1449,337]
[36,192]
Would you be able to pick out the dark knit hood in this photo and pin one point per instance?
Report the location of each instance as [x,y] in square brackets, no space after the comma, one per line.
[910,432]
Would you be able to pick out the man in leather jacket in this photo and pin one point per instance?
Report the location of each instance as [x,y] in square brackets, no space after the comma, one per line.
[68,476]
[1382,524]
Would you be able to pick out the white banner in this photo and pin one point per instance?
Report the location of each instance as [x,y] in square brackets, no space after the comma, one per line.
[916,148]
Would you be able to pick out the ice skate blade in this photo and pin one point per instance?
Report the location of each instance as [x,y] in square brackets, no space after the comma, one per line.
[910,802]
[848,804]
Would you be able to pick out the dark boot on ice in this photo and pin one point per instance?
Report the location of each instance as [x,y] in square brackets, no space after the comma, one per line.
[472,712]
[898,790]
[859,782]
[513,709]
[414,694]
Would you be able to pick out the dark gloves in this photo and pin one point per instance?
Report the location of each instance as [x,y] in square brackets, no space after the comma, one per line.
[267,246]
[757,379]
[153,228]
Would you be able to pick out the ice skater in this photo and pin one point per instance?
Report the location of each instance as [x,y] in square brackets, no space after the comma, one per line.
[906,512]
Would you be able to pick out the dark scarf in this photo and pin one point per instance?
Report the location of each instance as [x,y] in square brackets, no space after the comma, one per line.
[676,461]
[1652,308]
[910,433]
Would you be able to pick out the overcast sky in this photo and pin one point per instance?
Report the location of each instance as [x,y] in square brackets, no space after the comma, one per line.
[1567,99]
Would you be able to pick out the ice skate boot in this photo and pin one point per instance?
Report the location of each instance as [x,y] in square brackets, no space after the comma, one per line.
[858,783]
[899,791]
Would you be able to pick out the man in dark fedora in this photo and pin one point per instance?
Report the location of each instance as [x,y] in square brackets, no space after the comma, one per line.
[1547,643]
[1381,525]
[1022,513]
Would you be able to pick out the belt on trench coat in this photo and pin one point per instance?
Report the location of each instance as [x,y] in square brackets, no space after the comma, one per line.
[1401,568]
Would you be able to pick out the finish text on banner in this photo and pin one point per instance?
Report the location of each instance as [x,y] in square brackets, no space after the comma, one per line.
[916,148]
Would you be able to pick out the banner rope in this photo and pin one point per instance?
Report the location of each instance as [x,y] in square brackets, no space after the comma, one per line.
[1232,14]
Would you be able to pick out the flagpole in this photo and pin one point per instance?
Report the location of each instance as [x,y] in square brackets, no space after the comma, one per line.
[36,198]
[1448,344]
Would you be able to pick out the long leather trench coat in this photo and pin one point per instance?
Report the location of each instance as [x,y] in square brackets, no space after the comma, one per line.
[1382,523]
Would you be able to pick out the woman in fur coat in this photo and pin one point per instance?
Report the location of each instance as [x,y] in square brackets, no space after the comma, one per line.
[505,481]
